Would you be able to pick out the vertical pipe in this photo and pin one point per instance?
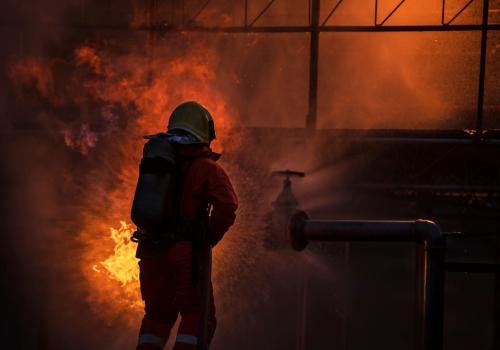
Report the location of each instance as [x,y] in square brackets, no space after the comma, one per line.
[432,250]
[433,297]
[313,66]
[482,71]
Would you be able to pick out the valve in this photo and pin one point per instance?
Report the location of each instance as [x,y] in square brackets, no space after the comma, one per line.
[284,207]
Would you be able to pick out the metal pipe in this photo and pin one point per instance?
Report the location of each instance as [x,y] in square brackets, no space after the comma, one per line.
[430,259]
[353,231]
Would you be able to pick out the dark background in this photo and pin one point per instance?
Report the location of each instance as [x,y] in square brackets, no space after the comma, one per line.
[406,86]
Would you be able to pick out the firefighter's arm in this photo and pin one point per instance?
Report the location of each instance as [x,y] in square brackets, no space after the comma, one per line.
[224,204]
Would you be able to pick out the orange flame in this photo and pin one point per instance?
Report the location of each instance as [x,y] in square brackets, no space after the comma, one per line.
[122,265]
[133,95]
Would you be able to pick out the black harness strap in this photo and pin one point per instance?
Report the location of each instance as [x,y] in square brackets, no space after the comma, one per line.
[198,238]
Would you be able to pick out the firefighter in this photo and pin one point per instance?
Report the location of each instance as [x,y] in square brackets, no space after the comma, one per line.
[169,269]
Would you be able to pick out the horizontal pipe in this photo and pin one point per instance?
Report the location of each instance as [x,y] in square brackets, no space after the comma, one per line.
[352,231]
[303,230]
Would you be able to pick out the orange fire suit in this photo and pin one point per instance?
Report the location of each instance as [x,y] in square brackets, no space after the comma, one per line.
[167,286]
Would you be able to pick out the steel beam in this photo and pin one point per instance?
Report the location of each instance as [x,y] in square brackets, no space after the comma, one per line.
[166,27]
[320,29]
[313,66]
[482,70]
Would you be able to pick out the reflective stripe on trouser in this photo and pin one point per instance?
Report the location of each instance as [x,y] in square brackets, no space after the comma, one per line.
[152,339]
[186,338]
[186,342]
[154,333]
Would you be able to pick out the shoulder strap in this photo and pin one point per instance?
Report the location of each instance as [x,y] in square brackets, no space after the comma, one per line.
[182,170]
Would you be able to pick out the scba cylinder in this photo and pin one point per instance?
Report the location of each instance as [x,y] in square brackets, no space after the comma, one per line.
[151,207]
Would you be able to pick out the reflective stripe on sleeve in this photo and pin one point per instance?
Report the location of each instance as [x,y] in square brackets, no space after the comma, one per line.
[186,338]
[148,338]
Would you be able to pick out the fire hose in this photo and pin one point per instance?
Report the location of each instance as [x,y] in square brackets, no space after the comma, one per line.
[206,284]
[206,260]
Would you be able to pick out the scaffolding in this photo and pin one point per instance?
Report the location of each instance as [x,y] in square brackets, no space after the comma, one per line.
[182,21]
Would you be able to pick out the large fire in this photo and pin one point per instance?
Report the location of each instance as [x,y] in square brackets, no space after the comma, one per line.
[124,97]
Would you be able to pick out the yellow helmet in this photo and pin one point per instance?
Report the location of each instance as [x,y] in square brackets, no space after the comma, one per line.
[193,118]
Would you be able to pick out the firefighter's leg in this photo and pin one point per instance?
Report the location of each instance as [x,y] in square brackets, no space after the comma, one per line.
[191,313]
[188,299]
[160,312]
